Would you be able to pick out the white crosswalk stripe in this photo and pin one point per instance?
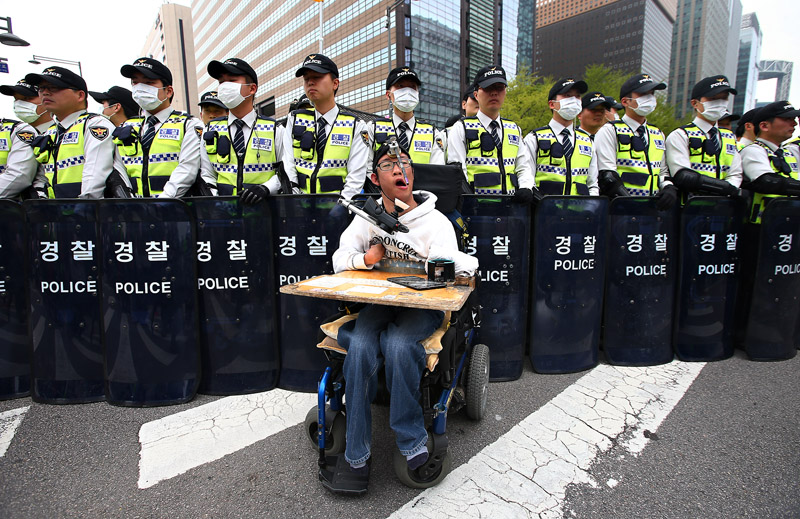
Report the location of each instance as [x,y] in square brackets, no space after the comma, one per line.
[9,422]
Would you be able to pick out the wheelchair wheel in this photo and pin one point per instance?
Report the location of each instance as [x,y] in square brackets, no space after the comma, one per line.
[477,381]
[337,429]
[411,479]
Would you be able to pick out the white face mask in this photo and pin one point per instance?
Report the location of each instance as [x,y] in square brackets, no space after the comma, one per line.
[646,105]
[406,99]
[570,107]
[230,94]
[714,110]
[103,111]
[26,111]
[146,96]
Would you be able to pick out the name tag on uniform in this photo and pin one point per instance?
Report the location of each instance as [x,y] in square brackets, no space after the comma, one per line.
[731,149]
[584,150]
[171,134]
[339,139]
[262,144]
[793,165]
[3,144]
[658,143]
[70,138]
[422,146]
[513,139]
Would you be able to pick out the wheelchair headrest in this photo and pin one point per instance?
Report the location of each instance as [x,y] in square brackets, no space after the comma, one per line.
[446,182]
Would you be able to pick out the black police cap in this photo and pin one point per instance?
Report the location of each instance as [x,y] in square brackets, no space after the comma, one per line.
[488,76]
[318,63]
[58,76]
[149,67]
[210,98]
[748,116]
[401,73]
[564,85]
[470,92]
[593,99]
[117,94]
[616,105]
[640,83]
[782,109]
[22,88]
[711,86]
[232,66]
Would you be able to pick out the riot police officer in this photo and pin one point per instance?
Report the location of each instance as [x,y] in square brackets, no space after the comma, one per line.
[423,143]
[469,108]
[18,165]
[745,131]
[325,149]
[161,149]
[211,107]
[700,156]
[76,154]
[118,104]
[243,149]
[593,113]
[489,147]
[563,158]
[28,105]
[630,151]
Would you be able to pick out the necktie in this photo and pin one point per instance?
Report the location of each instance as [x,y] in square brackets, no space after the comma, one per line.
[642,133]
[238,138]
[402,138]
[321,135]
[714,138]
[150,134]
[60,131]
[566,143]
[495,135]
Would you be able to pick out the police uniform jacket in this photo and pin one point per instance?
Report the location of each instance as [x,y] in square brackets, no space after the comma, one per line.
[677,155]
[356,161]
[756,162]
[532,145]
[438,140]
[18,165]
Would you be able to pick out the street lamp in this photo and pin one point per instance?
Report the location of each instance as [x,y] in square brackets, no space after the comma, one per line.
[37,60]
[8,38]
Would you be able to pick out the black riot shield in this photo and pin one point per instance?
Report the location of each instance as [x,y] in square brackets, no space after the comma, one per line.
[65,318]
[569,249]
[641,275]
[236,286]
[499,233]
[305,233]
[710,230]
[15,370]
[773,324]
[152,352]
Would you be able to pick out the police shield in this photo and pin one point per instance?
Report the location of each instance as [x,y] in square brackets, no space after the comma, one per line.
[65,324]
[235,286]
[569,248]
[15,371]
[305,231]
[709,257]
[499,238]
[149,302]
[640,282]
[773,324]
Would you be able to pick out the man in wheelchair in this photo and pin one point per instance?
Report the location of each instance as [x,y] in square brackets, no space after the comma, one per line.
[392,335]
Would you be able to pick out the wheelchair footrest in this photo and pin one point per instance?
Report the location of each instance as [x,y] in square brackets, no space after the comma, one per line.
[338,477]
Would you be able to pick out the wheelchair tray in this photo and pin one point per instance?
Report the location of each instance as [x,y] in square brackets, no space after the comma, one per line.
[372,287]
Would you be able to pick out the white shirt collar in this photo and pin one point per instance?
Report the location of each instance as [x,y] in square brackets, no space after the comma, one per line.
[744,141]
[557,127]
[70,119]
[771,146]
[486,120]
[703,124]
[631,123]
[412,123]
[162,116]
[329,116]
[249,119]
[43,127]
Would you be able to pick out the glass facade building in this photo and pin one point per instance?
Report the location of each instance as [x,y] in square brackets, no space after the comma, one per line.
[747,66]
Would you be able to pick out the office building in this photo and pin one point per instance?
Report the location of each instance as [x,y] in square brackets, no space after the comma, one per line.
[171,41]
[747,66]
[626,35]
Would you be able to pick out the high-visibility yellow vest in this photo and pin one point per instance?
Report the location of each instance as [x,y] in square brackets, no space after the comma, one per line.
[150,171]
[639,170]
[258,164]
[488,171]
[421,144]
[704,163]
[6,128]
[562,175]
[324,174]
[63,161]
[760,200]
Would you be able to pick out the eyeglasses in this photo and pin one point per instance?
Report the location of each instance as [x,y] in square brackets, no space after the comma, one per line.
[388,165]
[51,88]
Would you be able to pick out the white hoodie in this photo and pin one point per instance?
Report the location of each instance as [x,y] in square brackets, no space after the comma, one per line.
[430,235]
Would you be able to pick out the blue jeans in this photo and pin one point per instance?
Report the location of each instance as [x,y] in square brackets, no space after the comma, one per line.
[390,335]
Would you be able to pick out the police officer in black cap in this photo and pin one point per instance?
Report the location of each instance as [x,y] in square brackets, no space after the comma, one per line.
[28,105]
[593,114]
[423,143]
[612,114]
[118,104]
[18,165]
[745,131]
[211,107]
[469,108]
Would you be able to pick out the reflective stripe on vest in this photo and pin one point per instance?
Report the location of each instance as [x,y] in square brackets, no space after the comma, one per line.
[328,174]
[483,167]
[162,158]
[258,164]
[63,166]
[707,164]
[421,144]
[761,200]
[6,128]
[639,175]
[554,173]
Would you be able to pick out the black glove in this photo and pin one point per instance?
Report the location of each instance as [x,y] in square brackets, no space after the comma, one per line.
[667,196]
[523,196]
[253,195]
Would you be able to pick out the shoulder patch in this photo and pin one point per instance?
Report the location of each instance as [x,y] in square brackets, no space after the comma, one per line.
[26,137]
[440,143]
[99,133]
[198,131]
[365,137]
